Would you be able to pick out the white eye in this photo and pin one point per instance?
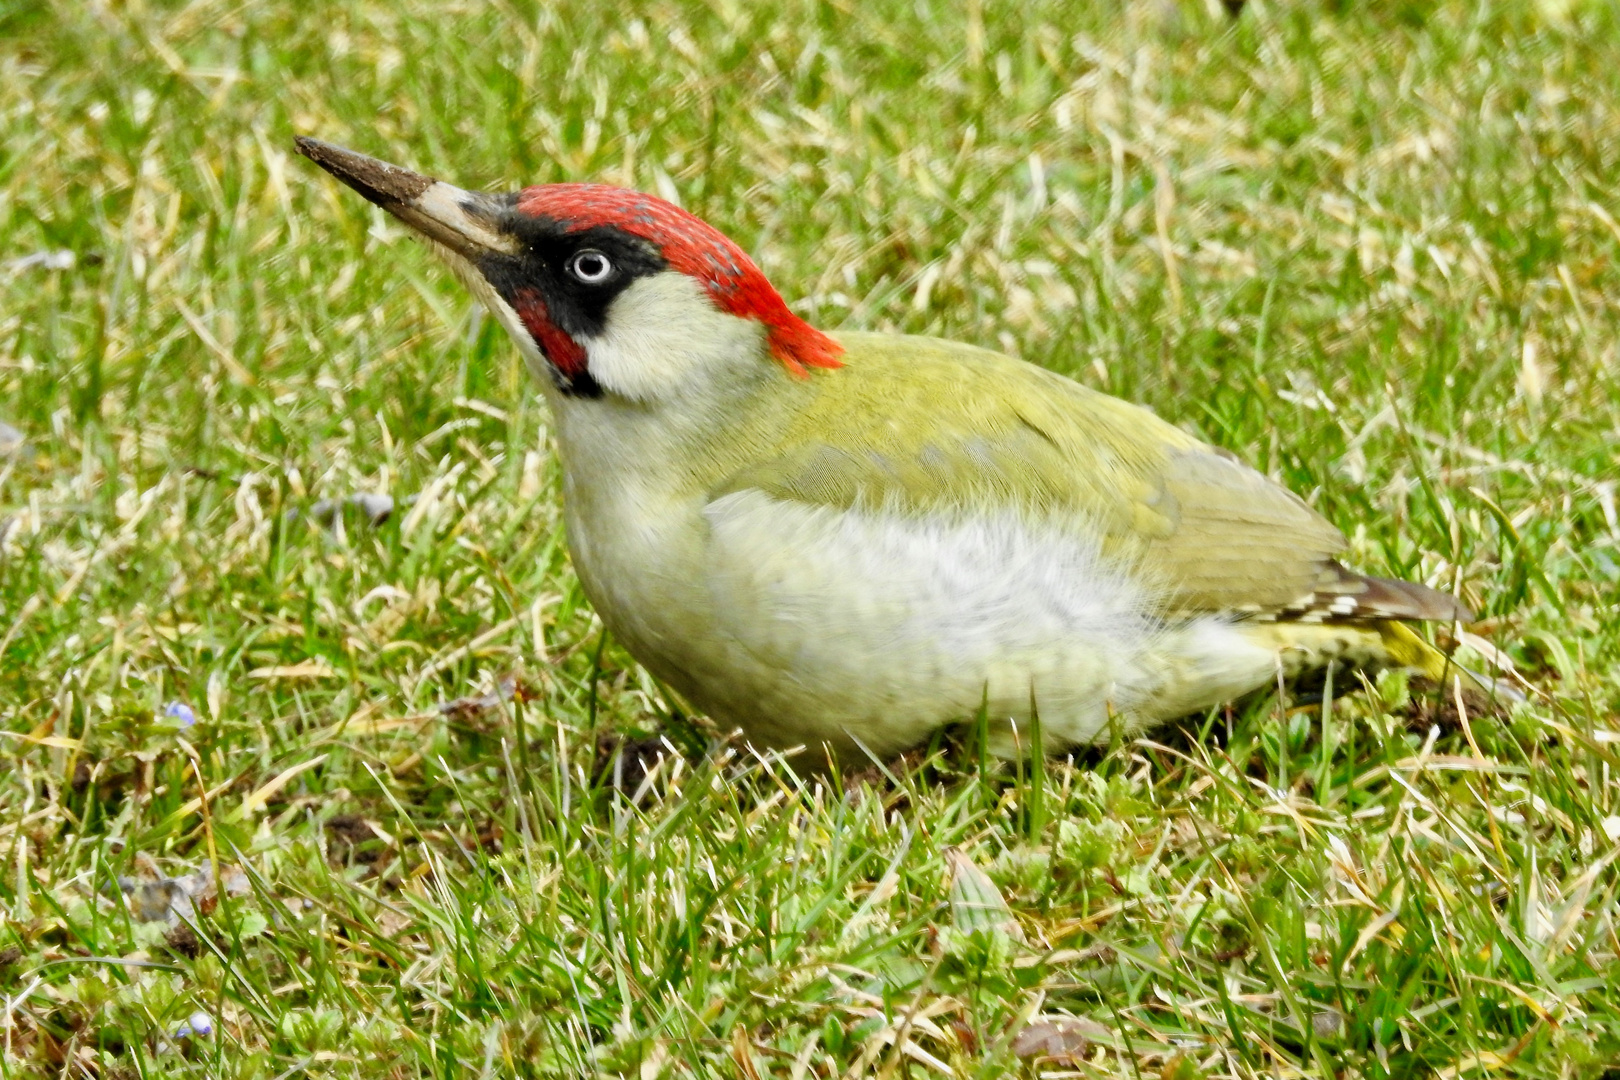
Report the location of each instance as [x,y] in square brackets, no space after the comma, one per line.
[590,266]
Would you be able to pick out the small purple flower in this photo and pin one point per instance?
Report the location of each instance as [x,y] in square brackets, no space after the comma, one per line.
[180,713]
[199,1025]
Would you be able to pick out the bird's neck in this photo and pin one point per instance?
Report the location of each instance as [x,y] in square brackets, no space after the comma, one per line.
[679,444]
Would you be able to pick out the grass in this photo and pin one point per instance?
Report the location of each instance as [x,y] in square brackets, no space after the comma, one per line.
[1372,251]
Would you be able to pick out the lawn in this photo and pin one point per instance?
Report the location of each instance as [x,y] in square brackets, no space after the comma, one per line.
[291,791]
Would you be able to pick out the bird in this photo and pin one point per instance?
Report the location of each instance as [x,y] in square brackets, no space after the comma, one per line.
[850,541]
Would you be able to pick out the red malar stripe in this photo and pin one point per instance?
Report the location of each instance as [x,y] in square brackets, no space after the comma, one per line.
[565,354]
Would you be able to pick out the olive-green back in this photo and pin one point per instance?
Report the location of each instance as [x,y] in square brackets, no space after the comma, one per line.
[921,425]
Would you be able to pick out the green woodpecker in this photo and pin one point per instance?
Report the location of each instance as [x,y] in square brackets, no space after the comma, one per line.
[849,541]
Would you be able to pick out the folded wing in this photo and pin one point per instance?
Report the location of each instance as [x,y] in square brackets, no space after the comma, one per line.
[942,428]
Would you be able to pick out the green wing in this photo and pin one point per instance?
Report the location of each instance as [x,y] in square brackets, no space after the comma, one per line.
[920,425]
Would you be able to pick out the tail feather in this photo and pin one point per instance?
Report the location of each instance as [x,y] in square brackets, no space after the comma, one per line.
[1406,649]
[1409,600]
[1304,647]
[1340,593]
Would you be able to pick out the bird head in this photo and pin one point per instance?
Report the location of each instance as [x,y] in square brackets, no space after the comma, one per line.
[606,291]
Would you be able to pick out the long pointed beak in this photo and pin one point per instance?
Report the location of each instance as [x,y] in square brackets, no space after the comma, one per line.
[462,221]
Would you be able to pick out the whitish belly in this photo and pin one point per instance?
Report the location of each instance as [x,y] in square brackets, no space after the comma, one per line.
[876,628]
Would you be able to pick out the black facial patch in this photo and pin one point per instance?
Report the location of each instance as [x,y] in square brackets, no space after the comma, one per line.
[578,309]
[581,385]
